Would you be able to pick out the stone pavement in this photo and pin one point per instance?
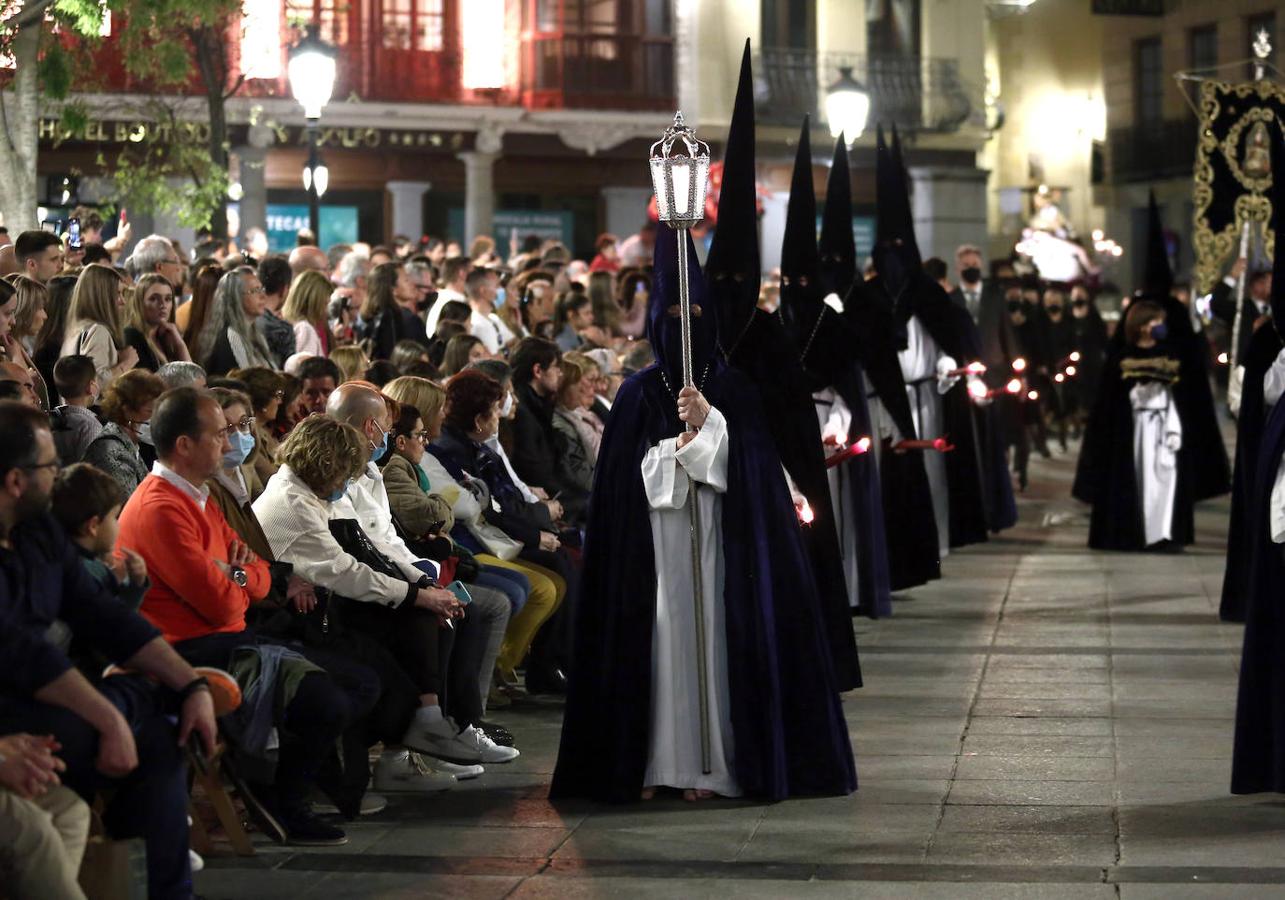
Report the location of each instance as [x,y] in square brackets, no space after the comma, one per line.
[1044,722]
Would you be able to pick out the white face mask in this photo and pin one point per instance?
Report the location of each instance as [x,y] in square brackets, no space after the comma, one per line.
[506,409]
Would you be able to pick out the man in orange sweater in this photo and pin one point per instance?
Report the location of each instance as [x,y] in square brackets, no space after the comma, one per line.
[204,578]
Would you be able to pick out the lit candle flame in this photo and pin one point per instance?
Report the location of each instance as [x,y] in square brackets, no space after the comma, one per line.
[1033,395]
[1075,356]
[1222,359]
[1014,386]
[806,515]
[976,368]
[1019,365]
[1070,371]
[1059,378]
[978,390]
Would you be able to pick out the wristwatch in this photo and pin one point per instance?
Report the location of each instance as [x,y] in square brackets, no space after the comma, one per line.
[239,576]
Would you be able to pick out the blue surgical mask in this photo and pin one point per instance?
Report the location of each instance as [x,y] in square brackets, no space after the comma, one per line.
[500,294]
[144,432]
[381,450]
[242,447]
[1159,331]
[339,492]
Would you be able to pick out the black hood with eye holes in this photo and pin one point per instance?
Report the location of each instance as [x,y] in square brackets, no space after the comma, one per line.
[665,331]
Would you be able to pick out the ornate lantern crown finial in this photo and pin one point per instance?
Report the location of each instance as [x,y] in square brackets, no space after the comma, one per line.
[680,175]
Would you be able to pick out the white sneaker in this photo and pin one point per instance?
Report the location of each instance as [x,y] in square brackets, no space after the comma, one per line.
[197,863]
[461,773]
[488,751]
[404,772]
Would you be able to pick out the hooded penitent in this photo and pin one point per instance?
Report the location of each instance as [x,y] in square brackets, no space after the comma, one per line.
[1258,753]
[789,734]
[837,246]
[756,344]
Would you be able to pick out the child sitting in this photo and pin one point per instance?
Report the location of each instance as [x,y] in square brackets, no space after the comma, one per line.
[87,501]
[74,423]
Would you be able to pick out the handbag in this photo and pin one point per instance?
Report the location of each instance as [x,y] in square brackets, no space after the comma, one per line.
[496,542]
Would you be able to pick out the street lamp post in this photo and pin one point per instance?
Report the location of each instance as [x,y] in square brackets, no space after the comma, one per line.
[312,79]
[847,105]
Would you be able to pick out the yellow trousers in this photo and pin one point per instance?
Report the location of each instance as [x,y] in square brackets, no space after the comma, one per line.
[547,590]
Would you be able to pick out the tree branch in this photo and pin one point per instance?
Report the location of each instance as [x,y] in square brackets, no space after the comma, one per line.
[32,13]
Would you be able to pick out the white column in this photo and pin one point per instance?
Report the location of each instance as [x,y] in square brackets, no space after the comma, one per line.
[254,198]
[479,194]
[408,207]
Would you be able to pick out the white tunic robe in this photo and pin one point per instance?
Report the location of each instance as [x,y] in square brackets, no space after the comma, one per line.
[1157,437]
[674,757]
[922,368]
[1273,389]
[836,421]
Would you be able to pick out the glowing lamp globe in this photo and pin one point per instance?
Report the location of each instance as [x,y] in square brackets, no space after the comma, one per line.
[847,106]
[311,72]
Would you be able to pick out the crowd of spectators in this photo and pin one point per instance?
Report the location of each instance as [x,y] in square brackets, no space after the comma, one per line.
[346,486]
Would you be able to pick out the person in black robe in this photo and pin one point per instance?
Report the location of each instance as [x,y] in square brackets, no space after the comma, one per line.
[828,355]
[1258,749]
[756,343]
[1106,476]
[1089,340]
[789,734]
[870,306]
[1262,350]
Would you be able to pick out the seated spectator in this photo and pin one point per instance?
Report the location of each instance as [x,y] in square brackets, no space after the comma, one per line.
[230,339]
[19,383]
[204,580]
[471,419]
[461,351]
[181,374]
[352,362]
[306,310]
[606,384]
[87,503]
[572,315]
[380,372]
[48,342]
[318,377]
[148,328]
[28,318]
[579,433]
[632,292]
[43,826]
[479,634]
[266,392]
[95,328]
[394,612]
[637,357]
[237,484]
[446,332]
[74,423]
[120,734]
[192,316]
[127,406]
[537,374]
[608,256]
[278,333]
[503,375]
[388,315]
[407,354]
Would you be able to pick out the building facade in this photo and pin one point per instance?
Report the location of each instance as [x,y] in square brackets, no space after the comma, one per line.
[464,117]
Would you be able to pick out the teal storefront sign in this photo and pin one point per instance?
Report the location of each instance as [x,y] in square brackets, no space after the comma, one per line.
[557,225]
[338,225]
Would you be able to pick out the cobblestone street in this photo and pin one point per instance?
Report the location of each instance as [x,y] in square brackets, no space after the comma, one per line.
[1043,722]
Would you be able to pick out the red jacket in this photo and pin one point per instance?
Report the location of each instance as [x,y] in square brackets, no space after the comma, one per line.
[190,596]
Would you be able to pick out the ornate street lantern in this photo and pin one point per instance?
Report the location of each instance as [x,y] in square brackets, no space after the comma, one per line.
[847,105]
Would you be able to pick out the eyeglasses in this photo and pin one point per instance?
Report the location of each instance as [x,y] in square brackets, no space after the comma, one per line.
[246,425]
[254,291]
[278,395]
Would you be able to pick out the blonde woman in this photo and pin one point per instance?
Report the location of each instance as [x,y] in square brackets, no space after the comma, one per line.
[97,327]
[148,326]
[28,318]
[306,310]
[351,360]
[547,588]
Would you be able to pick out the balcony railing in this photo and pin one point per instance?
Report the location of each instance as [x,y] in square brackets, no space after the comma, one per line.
[917,94]
[1163,149]
[603,71]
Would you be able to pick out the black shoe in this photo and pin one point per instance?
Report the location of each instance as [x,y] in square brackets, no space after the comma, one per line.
[306,830]
[497,733]
[546,680]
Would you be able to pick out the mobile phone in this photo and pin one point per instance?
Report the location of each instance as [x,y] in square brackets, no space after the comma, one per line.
[461,593]
[122,215]
[73,234]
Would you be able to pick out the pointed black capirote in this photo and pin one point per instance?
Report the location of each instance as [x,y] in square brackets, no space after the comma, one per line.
[884,188]
[733,267]
[837,247]
[799,248]
[1157,277]
[903,217]
[1278,215]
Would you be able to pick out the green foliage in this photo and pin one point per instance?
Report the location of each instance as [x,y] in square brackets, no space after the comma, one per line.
[177,177]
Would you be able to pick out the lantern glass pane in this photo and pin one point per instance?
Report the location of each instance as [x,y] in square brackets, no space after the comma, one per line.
[658,185]
[681,172]
[846,112]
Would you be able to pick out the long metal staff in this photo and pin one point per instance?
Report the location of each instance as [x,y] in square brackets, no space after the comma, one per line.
[680,182]
[1240,300]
